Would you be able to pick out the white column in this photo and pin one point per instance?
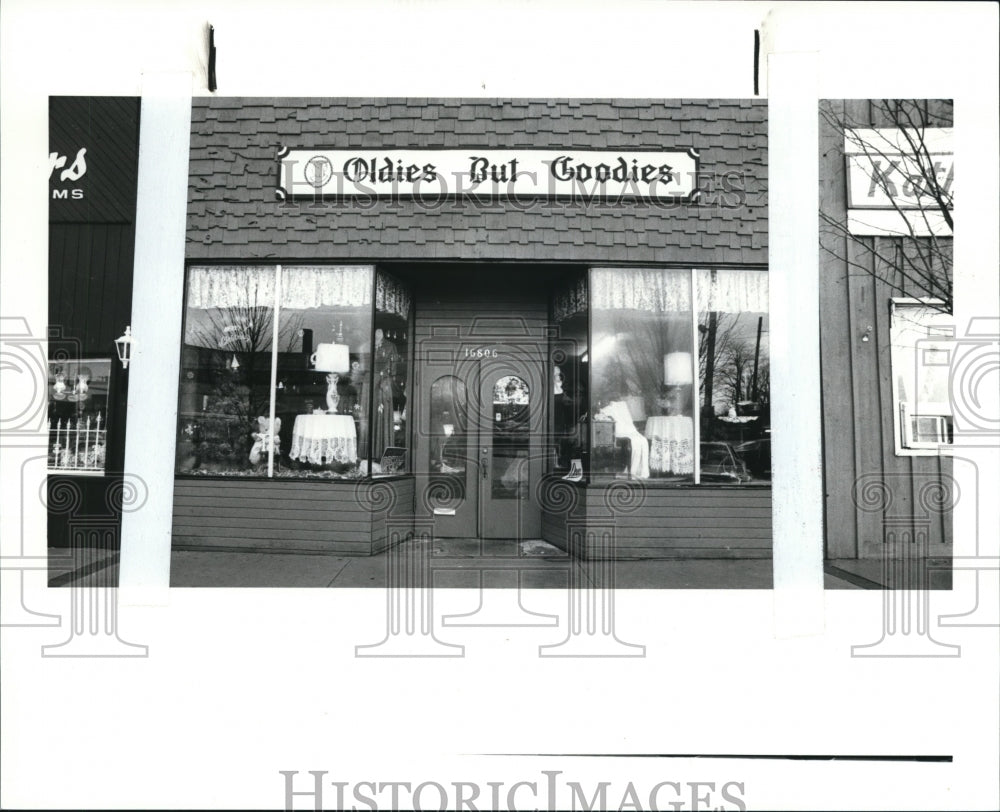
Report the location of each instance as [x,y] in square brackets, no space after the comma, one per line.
[157,304]
[793,151]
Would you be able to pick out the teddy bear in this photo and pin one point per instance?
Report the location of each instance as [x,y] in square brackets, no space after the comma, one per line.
[262,438]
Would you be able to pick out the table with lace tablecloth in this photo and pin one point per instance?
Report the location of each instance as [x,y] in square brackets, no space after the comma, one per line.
[671,444]
[322,439]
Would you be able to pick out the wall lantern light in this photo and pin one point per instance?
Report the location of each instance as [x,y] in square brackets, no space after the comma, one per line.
[123,345]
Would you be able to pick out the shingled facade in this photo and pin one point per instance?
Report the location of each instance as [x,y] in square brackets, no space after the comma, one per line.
[233,213]
[487,276]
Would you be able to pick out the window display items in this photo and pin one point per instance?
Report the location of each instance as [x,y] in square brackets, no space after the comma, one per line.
[265,440]
[618,412]
[386,360]
[77,415]
[671,434]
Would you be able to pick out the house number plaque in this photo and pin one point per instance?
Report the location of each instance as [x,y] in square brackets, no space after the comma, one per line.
[481,352]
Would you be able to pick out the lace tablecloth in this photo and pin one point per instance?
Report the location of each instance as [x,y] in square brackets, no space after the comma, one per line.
[324,438]
[671,444]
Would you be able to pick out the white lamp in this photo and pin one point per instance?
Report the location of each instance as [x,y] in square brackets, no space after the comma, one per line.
[123,344]
[332,358]
[677,369]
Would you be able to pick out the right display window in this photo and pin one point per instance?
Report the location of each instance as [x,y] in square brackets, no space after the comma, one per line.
[734,392]
[680,376]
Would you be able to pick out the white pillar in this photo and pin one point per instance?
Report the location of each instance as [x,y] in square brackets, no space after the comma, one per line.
[157,304]
[793,151]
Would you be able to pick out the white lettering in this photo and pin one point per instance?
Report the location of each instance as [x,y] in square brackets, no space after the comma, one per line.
[79,167]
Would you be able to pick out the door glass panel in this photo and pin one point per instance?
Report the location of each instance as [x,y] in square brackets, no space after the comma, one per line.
[449,436]
[511,438]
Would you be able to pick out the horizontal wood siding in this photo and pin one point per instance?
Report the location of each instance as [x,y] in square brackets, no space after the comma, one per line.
[395,524]
[340,518]
[685,523]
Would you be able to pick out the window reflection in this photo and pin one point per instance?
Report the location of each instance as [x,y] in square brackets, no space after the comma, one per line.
[78,415]
[734,376]
[643,374]
[326,316]
[569,363]
[392,374]
[320,349]
[511,438]
[449,427]
[225,368]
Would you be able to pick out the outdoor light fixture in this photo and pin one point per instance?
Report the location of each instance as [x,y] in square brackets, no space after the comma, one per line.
[234,364]
[123,345]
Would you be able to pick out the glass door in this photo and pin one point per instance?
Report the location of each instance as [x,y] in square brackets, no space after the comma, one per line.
[446,444]
[510,448]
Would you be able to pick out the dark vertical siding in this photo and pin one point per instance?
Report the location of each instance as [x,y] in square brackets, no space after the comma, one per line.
[90,283]
[91,253]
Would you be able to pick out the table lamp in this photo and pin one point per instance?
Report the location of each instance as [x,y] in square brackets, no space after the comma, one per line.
[677,369]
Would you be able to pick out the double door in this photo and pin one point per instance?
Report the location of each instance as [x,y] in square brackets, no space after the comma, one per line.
[480,437]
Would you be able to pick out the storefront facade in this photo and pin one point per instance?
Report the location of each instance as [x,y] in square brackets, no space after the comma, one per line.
[886,327]
[93,156]
[496,319]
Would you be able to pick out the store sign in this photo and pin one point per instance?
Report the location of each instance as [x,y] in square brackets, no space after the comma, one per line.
[896,180]
[93,156]
[72,174]
[606,174]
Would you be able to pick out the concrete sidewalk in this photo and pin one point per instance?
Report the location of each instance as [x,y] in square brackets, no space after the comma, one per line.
[451,563]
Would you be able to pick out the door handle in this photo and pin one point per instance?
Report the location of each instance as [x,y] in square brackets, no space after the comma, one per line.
[484,463]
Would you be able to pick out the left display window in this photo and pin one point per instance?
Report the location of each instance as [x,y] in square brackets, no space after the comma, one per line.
[78,415]
[272,371]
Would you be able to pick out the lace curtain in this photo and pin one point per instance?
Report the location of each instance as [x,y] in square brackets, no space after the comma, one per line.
[391,295]
[326,286]
[666,291]
[226,286]
[656,291]
[571,300]
[732,291]
[231,286]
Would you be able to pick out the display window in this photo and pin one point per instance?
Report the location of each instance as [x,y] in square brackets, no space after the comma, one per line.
[570,377]
[672,381]
[277,373]
[921,337]
[734,392]
[78,415]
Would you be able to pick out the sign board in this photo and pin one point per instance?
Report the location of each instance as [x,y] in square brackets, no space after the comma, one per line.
[435,173]
[93,158]
[897,180]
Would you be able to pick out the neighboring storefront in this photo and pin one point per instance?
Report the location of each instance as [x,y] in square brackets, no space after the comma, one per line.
[480,318]
[93,156]
[887,176]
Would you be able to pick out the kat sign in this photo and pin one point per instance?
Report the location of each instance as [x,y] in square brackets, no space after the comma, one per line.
[898,181]
[605,174]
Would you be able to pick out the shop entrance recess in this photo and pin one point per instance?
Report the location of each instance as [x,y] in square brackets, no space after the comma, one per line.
[479,443]
[481,416]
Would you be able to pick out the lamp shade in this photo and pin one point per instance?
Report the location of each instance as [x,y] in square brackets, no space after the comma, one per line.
[677,369]
[332,358]
[123,344]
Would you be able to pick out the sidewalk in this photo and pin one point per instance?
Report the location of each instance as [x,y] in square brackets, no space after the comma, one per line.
[452,563]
